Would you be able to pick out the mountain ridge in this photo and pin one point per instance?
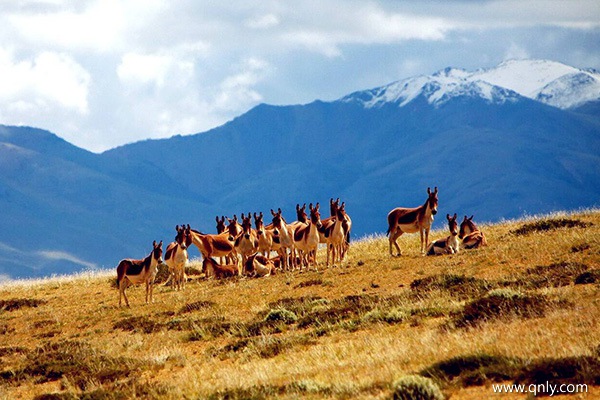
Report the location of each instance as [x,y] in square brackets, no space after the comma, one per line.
[494,159]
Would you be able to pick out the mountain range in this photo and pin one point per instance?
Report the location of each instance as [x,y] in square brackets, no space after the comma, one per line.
[521,138]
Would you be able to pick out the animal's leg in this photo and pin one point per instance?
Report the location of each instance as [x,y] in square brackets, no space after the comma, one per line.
[393,241]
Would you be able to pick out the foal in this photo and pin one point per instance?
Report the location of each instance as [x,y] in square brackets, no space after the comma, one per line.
[447,245]
[411,220]
[470,234]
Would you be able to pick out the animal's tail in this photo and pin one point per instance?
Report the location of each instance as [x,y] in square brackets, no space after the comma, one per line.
[120,272]
[348,237]
[390,221]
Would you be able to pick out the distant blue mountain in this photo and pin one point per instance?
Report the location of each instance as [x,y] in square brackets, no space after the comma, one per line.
[491,151]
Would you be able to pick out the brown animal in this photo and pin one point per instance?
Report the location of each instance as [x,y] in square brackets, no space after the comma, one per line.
[285,233]
[448,245]
[471,236]
[260,266]
[411,220]
[268,237]
[221,245]
[212,268]
[247,242]
[176,257]
[306,238]
[135,272]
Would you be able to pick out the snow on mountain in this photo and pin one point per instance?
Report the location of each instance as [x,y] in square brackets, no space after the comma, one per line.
[549,82]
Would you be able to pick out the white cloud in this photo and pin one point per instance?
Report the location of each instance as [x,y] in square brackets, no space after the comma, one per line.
[99,25]
[125,70]
[62,255]
[238,91]
[263,22]
[51,80]
[516,52]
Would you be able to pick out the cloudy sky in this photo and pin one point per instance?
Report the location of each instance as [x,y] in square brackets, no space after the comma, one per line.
[101,73]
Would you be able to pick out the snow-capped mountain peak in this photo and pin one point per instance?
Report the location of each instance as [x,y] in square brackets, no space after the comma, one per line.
[550,82]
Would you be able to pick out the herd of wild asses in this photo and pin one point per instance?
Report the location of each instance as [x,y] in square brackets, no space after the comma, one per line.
[239,249]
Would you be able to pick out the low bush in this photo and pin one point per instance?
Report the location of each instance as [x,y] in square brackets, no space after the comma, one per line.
[415,387]
[545,225]
[501,303]
[456,285]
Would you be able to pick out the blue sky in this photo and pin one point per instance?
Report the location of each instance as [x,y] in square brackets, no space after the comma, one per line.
[102,73]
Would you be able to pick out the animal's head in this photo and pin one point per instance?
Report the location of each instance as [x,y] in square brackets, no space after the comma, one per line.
[259,224]
[341,212]
[432,200]
[315,215]
[157,252]
[466,227]
[301,213]
[452,224]
[182,236]
[233,228]
[247,225]
[220,224]
[278,220]
[333,206]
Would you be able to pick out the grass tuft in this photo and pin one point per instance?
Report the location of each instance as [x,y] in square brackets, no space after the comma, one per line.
[473,370]
[415,387]
[17,304]
[501,304]
[459,286]
[545,225]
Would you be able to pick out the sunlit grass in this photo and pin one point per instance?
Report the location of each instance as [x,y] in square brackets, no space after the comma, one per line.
[349,331]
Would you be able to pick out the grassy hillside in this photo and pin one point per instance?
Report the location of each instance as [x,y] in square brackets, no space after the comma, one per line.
[524,309]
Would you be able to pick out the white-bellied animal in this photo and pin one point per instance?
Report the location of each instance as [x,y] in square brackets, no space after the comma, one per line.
[470,234]
[247,243]
[212,268]
[286,240]
[411,220]
[268,237]
[339,240]
[259,266]
[306,238]
[176,257]
[135,272]
[448,245]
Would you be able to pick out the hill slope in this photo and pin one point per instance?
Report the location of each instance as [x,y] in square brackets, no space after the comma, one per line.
[509,312]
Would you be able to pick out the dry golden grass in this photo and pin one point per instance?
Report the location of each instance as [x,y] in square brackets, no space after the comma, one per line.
[344,332]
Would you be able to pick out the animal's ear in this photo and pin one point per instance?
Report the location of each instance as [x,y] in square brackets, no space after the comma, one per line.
[428,190]
[260,214]
[454,218]
[242,216]
[465,218]
[160,244]
[188,227]
[234,217]
[154,243]
[471,219]
[448,217]
[279,210]
[273,212]
[435,190]
[304,207]
[297,207]
[317,206]
[177,228]
[310,207]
